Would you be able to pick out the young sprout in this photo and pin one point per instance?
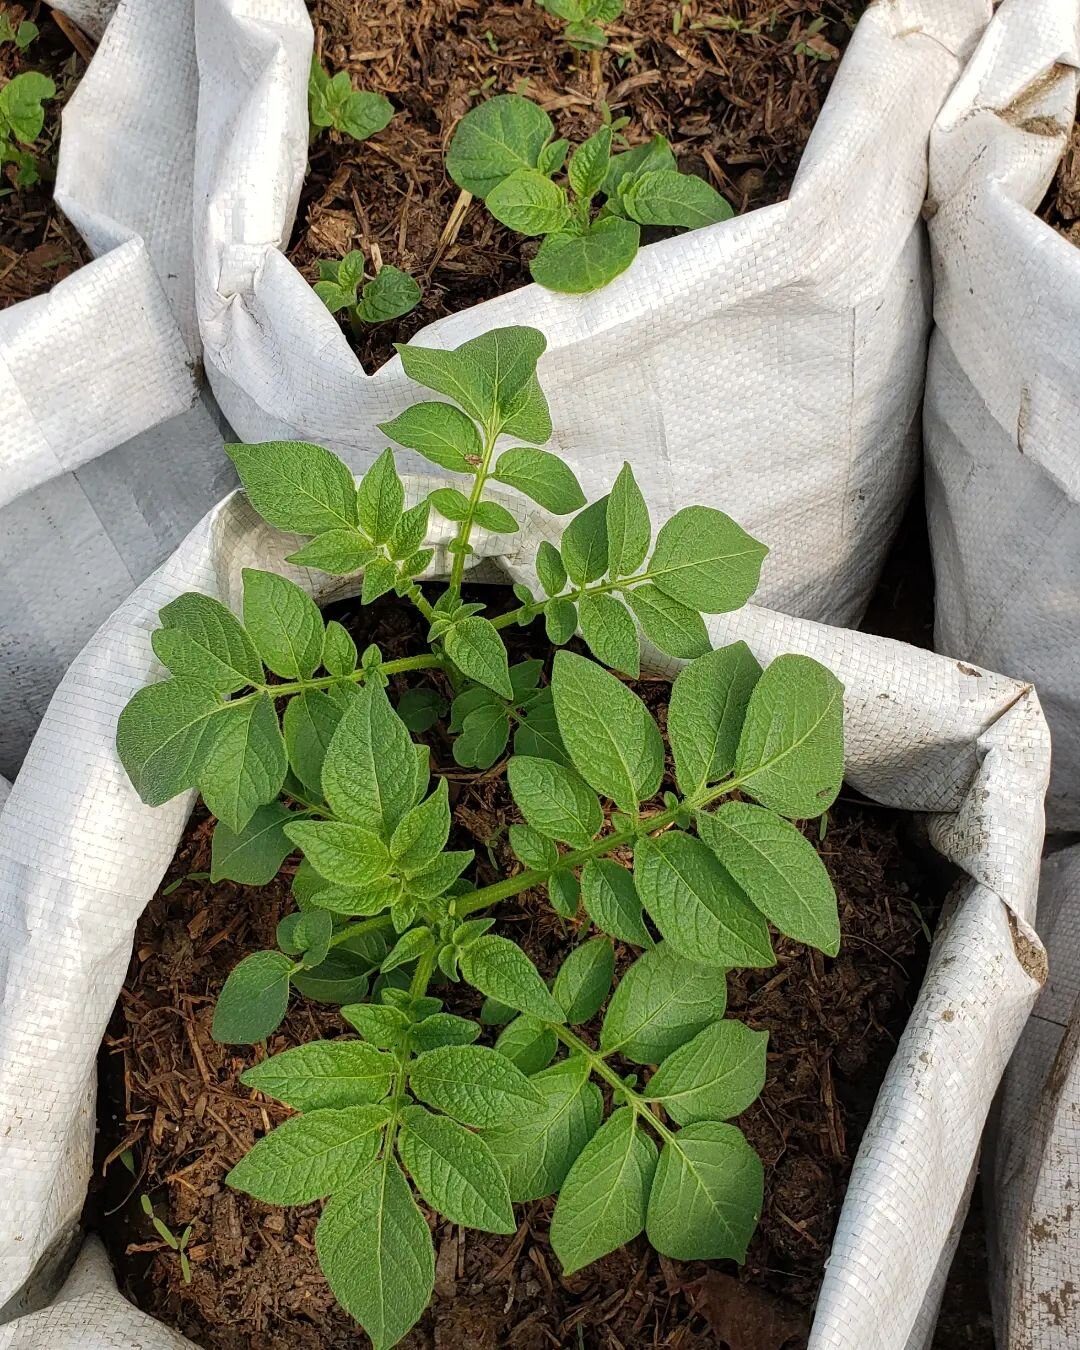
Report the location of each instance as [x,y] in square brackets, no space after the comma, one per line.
[583,19]
[333,102]
[22,116]
[22,35]
[389,294]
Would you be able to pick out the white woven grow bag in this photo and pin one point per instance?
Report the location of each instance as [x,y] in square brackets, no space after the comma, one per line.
[1003,386]
[108,455]
[80,856]
[799,329]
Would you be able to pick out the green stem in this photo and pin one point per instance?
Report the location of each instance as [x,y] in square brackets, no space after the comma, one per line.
[430,661]
[416,595]
[599,1066]
[364,926]
[461,543]
[523,881]
[574,594]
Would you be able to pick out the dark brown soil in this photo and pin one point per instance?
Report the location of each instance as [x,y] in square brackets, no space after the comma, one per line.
[170,1094]
[38,247]
[1061,206]
[735,85]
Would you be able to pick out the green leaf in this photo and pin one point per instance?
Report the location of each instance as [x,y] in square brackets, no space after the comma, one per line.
[474,1085]
[603,1201]
[164,734]
[778,869]
[555,800]
[501,970]
[408,948]
[203,640]
[494,1014]
[323,1074]
[713,1077]
[380,577]
[706,712]
[667,197]
[246,763]
[348,855]
[253,999]
[493,377]
[492,141]
[455,1171]
[483,738]
[659,1004]
[339,650]
[296,486]
[538,735]
[609,733]
[440,432]
[584,979]
[553,156]
[450,503]
[435,880]
[338,552]
[475,647]
[609,630]
[380,498]
[443,1029]
[284,623]
[536,1152]
[564,892]
[491,516]
[528,1043]
[560,621]
[575,264]
[704,560]
[624,168]
[421,835]
[389,295]
[420,709]
[375,1249]
[532,848]
[333,296]
[549,568]
[309,724]
[409,532]
[611,901]
[528,202]
[791,751]
[696,905]
[629,529]
[706,1196]
[383,1026]
[20,105]
[589,164]
[676,629]
[584,545]
[311,1156]
[341,978]
[362,115]
[371,772]
[253,855]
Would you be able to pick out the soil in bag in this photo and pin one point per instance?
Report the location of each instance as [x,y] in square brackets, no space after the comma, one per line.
[736,87]
[38,246]
[174,1118]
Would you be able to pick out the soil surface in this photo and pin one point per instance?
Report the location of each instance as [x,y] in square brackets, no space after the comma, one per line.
[735,85]
[38,246]
[170,1094]
[1061,205]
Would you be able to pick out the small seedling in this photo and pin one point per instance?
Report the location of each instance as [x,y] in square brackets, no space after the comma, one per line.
[813,44]
[389,294]
[583,19]
[178,1244]
[504,152]
[333,102]
[292,738]
[22,116]
[175,885]
[21,35]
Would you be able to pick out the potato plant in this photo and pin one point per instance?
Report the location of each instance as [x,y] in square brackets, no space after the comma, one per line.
[505,152]
[344,285]
[333,102]
[584,20]
[615,1095]
[22,117]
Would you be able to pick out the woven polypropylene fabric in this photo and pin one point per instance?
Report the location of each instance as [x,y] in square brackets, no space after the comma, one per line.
[80,856]
[1003,385]
[798,329]
[108,455]
[1035,1171]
